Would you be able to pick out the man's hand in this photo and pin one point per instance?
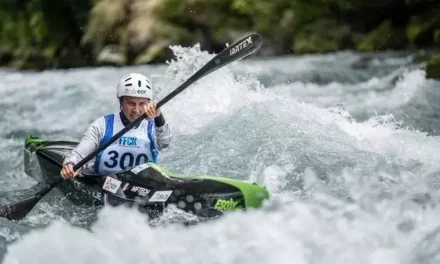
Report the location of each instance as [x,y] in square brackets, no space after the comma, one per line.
[150,110]
[67,171]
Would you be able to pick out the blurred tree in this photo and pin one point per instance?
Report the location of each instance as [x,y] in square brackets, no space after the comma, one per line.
[40,30]
[73,33]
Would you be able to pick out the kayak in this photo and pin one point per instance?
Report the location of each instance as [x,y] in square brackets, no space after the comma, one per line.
[148,186]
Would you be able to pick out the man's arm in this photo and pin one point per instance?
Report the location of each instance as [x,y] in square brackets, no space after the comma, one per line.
[89,142]
[162,133]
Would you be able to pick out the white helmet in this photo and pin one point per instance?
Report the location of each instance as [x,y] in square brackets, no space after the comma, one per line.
[135,85]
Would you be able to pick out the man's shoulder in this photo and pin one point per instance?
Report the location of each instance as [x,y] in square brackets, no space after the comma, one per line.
[109,115]
[101,121]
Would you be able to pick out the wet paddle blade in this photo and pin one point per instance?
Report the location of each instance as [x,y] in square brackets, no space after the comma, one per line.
[19,210]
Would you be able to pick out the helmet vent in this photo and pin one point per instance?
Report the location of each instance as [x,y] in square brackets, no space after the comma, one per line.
[128,79]
[139,83]
[128,84]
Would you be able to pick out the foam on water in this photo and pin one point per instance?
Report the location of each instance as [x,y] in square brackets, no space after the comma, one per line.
[219,94]
[378,93]
[343,191]
[332,231]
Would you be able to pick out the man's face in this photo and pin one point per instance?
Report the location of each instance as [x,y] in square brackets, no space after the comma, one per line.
[133,107]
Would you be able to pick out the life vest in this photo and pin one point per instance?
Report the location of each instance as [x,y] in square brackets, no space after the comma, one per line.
[135,147]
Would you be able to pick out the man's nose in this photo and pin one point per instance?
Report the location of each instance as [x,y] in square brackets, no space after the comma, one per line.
[137,109]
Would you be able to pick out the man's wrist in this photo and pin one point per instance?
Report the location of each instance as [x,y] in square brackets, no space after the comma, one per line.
[159,121]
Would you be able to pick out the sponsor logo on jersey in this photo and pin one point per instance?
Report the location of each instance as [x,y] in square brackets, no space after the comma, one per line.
[128,141]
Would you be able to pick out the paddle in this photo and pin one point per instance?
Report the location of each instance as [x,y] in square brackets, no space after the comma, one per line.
[236,51]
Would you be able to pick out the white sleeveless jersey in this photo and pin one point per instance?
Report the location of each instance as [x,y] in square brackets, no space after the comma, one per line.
[131,149]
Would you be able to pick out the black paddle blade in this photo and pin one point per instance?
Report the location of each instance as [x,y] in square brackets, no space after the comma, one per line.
[19,210]
[240,49]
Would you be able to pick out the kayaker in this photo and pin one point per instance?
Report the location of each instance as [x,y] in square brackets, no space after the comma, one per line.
[139,145]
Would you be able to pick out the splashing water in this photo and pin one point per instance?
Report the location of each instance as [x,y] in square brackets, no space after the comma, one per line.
[348,184]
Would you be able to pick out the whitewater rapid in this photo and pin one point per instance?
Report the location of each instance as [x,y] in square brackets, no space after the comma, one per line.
[337,139]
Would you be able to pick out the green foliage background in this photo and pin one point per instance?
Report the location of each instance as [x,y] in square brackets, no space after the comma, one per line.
[39,34]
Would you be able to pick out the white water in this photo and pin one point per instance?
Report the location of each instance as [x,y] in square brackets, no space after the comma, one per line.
[341,189]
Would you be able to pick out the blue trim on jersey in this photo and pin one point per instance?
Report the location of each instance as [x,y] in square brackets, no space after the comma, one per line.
[109,120]
[150,136]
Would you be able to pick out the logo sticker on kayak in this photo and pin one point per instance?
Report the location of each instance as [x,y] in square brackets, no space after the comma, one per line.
[127,186]
[139,190]
[160,196]
[87,190]
[225,205]
[139,168]
[111,185]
